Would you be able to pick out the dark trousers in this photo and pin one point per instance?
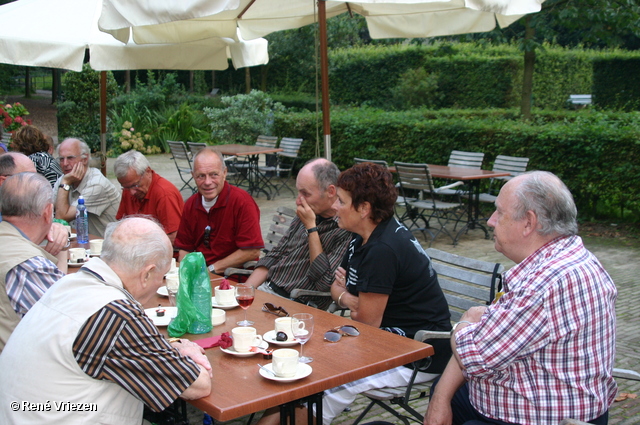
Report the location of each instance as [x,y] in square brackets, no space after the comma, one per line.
[465,414]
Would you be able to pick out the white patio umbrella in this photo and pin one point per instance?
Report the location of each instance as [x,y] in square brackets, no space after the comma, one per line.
[162,21]
[56,34]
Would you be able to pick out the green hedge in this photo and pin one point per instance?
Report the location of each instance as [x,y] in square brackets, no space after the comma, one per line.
[617,82]
[596,154]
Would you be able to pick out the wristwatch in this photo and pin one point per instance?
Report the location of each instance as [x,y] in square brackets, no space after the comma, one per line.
[65,187]
[313,229]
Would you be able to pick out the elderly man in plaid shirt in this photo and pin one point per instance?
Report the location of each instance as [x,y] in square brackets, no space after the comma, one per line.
[544,351]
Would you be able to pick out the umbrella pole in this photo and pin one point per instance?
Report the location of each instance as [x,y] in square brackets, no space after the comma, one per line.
[103,121]
[324,74]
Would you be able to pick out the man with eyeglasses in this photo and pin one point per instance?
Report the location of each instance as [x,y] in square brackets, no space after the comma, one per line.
[221,221]
[100,196]
[145,192]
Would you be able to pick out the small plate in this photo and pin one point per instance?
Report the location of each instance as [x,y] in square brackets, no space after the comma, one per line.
[270,337]
[70,264]
[170,313]
[91,254]
[233,352]
[214,304]
[304,370]
[162,291]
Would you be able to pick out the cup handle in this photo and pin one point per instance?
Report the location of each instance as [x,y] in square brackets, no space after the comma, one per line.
[257,341]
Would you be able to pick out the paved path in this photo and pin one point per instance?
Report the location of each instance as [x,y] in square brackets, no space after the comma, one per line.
[621,262]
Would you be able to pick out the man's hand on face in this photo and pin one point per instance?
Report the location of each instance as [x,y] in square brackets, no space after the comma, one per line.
[57,239]
[76,174]
[306,214]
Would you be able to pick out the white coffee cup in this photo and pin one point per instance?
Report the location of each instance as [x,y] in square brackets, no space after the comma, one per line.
[218,316]
[285,362]
[225,296]
[244,338]
[96,246]
[76,254]
[172,281]
[283,324]
[174,267]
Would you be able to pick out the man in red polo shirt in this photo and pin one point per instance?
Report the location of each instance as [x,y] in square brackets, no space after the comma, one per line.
[221,221]
[145,192]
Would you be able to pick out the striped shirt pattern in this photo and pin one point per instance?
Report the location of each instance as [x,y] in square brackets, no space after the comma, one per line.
[28,281]
[544,351]
[290,266]
[119,343]
[47,166]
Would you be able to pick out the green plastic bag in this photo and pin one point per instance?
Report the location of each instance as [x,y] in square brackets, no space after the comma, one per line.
[193,298]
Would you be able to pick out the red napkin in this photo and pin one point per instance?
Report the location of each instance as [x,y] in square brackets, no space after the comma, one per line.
[223,341]
[225,285]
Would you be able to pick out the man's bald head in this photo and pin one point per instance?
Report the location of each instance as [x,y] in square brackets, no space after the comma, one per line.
[13,163]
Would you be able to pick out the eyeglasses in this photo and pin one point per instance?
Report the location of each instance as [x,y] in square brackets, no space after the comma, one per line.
[68,158]
[272,309]
[134,186]
[207,233]
[335,334]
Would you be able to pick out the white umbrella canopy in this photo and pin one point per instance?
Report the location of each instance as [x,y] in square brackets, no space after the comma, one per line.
[56,33]
[168,21]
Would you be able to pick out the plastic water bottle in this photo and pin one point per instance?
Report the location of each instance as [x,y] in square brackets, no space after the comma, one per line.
[82,222]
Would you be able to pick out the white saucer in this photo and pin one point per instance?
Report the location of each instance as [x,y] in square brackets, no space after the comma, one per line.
[214,304]
[170,313]
[270,337]
[70,264]
[162,291]
[92,254]
[304,370]
[233,352]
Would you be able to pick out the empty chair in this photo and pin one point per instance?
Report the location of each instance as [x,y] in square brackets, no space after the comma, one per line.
[463,159]
[466,159]
[510,164]
[374,161]
[182,159]
[268,171]
[416,178]
[286,161]
[195,147]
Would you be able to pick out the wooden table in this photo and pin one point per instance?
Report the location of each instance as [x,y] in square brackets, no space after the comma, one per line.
[473,176]
[238,389]
[256,180]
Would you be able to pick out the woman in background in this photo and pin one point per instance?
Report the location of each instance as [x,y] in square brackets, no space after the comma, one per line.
[32,142]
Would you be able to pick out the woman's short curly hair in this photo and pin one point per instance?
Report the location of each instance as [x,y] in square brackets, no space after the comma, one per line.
[372,183]
[28,139]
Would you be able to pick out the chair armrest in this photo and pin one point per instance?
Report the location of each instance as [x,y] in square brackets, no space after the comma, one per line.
[424,335]
[296,293]
[626,374]
[230,271]
[449,186]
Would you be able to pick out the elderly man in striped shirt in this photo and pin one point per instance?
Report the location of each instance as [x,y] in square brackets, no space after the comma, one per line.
[27,270]
[544,351]
[89,344]
[308,255]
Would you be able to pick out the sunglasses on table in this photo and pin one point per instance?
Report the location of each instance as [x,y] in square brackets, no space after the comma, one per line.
[272,309]
[336,334]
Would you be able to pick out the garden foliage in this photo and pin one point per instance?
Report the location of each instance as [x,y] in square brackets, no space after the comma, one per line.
[597,154]
[242,118]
